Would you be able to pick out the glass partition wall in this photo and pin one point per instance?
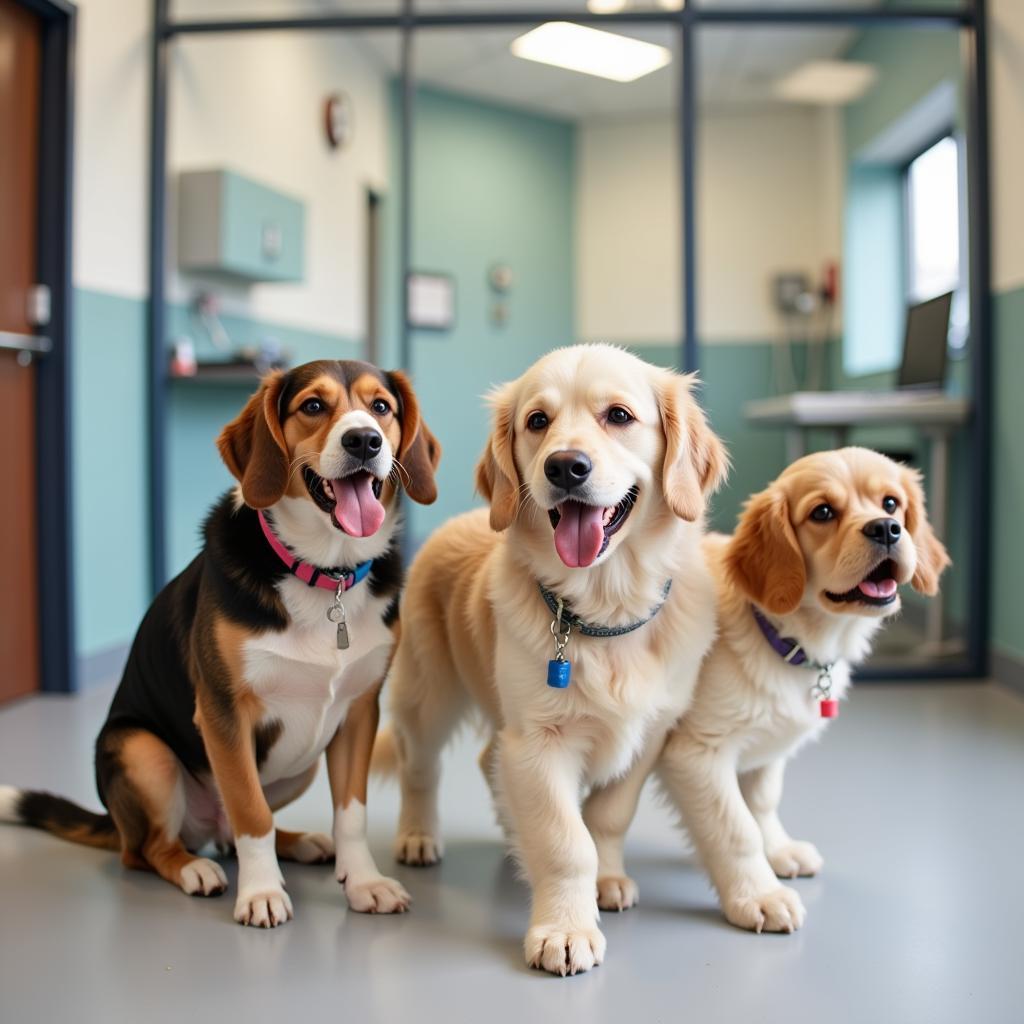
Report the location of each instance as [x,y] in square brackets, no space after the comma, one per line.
[548,199]
[526,188]
[832,215]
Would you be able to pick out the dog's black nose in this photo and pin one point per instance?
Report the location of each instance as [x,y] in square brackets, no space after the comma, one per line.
[883,531]
[362,442]
[567,469]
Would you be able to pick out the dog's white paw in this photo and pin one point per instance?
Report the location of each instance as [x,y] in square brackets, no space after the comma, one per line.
[418,849]
[203,877]
[376,895]
[617,892]
[312,848]
[774,910]
[795,859]
[263,909]
[563,951]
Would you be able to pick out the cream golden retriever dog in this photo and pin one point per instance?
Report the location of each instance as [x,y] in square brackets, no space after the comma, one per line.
[803,586]
[596,474]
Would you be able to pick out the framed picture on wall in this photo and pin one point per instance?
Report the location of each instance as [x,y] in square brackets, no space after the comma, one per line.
[431,301]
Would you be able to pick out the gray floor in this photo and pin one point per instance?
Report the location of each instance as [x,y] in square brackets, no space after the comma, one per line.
[915,799]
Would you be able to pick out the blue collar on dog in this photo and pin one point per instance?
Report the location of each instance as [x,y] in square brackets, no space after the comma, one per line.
[568,618]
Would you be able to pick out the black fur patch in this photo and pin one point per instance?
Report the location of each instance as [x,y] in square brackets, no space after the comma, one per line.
[387,574]
[267,734]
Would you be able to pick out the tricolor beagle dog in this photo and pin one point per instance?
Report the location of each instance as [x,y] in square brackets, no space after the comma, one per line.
[267,651]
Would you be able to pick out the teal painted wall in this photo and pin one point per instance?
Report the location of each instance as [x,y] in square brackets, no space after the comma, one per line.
[874,278]
[732,374]
[109,468]
[910,63]
[492,184]
[874,294]
[1008,473]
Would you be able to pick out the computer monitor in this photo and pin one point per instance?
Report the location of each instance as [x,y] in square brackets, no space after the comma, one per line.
[925,344]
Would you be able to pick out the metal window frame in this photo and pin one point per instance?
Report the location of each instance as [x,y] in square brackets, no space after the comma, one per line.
[970,18]
[58,666]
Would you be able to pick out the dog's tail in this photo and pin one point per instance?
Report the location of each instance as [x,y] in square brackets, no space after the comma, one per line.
[385,752]
[58,816]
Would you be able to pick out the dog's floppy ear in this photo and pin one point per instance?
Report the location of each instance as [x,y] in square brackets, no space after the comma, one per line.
[932,557]
[254,448]
[764,559]
[696,462]
[419,453]
[497,478]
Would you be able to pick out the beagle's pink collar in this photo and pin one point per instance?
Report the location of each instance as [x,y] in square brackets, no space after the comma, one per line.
[327,579]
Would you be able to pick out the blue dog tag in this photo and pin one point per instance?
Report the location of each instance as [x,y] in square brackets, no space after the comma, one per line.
[559,673]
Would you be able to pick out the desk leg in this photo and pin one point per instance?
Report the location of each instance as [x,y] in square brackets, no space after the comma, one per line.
[939,478]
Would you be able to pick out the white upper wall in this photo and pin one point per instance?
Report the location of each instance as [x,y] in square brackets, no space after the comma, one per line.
[253,103]
[1006,40]
[770,201]
[627,231]
[111,187]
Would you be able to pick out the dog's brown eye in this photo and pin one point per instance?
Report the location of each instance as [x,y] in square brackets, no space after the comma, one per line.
[890,504]
[823,513]
[536,421]
[619,416]
[380,407]
[312,407]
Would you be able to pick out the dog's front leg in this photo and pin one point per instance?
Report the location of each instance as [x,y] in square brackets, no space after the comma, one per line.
[702,781]
[539,777]
[228,735]
[608,812]
[348,766]
[762,790]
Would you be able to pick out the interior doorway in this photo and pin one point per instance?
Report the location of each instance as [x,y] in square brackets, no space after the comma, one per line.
[20,38]
[36,625]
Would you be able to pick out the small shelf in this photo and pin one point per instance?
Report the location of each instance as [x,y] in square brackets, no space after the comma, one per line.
[230,374]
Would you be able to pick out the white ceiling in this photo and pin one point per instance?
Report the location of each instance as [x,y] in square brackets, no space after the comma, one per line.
[736,66]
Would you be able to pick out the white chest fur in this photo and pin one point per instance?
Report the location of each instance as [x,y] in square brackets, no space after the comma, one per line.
[304,681]
[784,716]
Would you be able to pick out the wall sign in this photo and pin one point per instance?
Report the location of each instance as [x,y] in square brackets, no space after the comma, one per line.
[431,299]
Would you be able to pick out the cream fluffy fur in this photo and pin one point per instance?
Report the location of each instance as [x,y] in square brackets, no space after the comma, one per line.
[475,629]
[723,765]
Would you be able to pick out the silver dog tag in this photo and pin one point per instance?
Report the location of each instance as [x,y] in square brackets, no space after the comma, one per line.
[336,613]
[342,636]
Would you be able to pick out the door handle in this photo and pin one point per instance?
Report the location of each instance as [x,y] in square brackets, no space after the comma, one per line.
[26,345]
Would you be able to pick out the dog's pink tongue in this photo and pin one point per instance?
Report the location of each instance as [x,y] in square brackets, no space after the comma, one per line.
[881,589]
[357,512]
[579,533]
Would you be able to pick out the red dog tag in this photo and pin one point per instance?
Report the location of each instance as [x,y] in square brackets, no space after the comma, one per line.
[830,708]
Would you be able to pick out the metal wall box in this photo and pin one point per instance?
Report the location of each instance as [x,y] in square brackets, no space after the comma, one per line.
[231,225]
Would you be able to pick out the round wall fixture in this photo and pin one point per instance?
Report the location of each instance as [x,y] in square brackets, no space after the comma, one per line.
[500,277]
[339,120]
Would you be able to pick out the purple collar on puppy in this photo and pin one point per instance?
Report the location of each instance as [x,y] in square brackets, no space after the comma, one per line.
[785,647]
[793,653]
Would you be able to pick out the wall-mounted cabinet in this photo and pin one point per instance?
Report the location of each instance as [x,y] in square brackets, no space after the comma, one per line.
[231,225]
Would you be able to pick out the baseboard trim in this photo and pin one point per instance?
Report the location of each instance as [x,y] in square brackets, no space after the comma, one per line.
[1007,669]
[103,666]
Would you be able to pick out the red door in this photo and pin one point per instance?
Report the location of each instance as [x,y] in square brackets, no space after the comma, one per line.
[19,130]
